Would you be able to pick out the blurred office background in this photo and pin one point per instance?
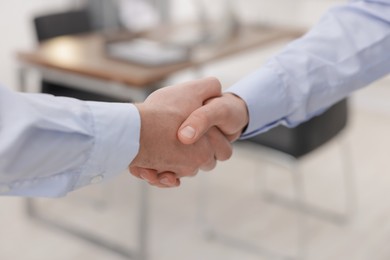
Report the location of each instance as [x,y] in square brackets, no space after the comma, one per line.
[235,206]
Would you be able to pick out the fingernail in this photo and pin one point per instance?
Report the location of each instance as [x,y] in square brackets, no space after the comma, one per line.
[144,176]
[188,132]
[165,181]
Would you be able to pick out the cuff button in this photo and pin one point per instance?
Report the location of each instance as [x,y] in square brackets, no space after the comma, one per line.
[97,179]
[4,188]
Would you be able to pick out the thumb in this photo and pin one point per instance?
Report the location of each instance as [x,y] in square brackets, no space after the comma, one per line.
[198,123]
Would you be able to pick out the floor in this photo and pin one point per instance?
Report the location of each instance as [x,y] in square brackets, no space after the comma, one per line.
[235,204]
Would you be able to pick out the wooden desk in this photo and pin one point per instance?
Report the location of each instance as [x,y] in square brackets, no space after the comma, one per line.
[82,61]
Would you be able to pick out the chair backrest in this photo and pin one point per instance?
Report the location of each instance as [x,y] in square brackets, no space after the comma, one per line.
[309,135]
[65,23]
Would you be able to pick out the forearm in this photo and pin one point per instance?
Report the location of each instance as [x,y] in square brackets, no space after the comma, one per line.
[50,146]
[347,50]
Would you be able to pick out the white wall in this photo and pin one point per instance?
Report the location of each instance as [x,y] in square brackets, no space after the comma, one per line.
[17,32]
[299,12]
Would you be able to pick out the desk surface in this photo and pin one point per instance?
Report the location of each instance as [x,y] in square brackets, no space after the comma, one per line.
[86,55]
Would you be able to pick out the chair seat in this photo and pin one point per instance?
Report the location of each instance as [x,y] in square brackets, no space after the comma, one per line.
[307,136]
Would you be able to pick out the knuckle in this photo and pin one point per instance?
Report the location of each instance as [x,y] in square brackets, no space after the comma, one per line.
[209,162]
[187,171]
[215,81]
[226,154]
[208,157]
[213,84]
[201,117]
[224,110]
[134,172]
[190,172]
[209,166]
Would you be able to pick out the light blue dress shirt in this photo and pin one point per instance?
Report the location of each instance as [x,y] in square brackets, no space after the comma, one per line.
[50,146]
[348,49]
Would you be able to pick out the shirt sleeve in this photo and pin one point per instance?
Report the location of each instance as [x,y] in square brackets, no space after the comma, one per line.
[348,49]
[50,145]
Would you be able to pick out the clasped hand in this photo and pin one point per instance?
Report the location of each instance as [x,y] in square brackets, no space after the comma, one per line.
[186,128]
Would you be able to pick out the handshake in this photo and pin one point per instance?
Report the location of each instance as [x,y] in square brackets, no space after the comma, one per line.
[186,128]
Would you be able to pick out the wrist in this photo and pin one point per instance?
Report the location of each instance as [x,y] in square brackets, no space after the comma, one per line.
[142,131]
[239,111]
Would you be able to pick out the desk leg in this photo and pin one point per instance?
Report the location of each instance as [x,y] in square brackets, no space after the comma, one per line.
[141,253]
[100,242]
[22,75]
[143,229]
[30,207]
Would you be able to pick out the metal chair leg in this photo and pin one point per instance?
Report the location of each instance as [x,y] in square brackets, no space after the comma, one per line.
[211,233]
[331,216]
[203,205]
[299,190]
[143,229]
[349,178]
[298,203]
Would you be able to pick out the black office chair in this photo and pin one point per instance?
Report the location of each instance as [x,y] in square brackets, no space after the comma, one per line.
[66,23]
[286,146]
[307,136]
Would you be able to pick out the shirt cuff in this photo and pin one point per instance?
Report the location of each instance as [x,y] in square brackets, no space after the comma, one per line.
[117,134]
[265,94]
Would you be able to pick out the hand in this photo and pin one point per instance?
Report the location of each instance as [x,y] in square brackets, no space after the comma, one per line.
[161,154]
[229,113]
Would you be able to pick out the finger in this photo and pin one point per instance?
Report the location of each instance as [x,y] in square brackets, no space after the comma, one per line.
[221,144]
[148,175]
[152,177]
[187,172]
[168,179]
[234,137]
[160,185]
[209,165]
[199,122]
